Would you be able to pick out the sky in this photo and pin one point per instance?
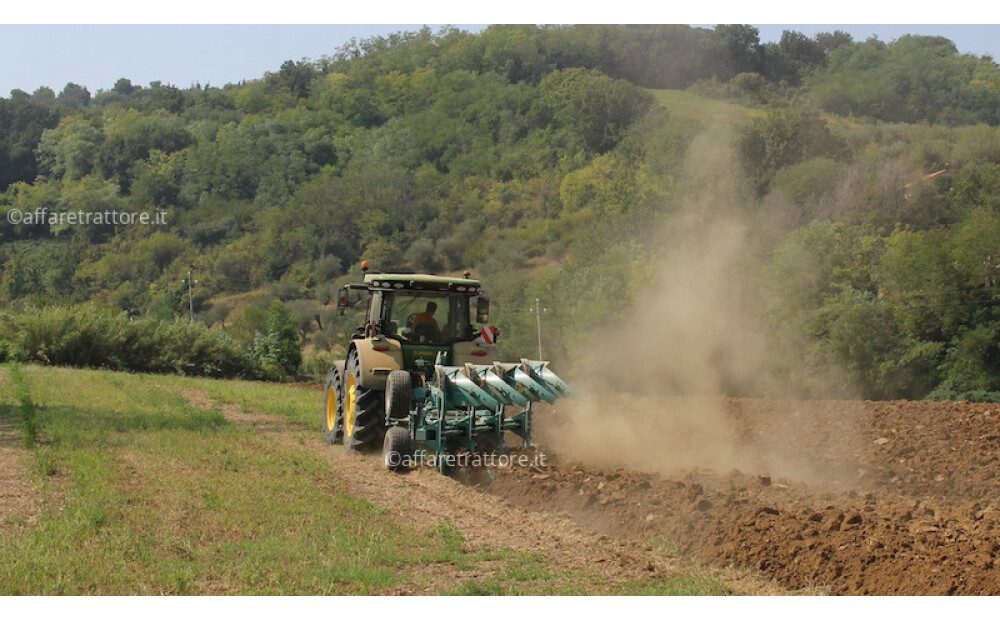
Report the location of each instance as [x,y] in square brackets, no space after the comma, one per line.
[95,44]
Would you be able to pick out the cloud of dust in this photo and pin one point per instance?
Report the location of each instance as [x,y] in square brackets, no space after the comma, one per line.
[653,389]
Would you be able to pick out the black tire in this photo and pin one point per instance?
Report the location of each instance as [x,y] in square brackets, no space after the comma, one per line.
[333,403]
[398,395]
[397,449]
[362,428]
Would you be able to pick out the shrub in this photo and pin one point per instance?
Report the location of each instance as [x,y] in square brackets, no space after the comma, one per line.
[93,336]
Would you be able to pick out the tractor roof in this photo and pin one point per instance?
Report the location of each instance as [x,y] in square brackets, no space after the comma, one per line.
[421,281]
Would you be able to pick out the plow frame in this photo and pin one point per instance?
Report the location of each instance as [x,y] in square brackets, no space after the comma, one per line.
[466,407]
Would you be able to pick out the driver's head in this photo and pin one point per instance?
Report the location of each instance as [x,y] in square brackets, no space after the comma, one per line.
[431,307]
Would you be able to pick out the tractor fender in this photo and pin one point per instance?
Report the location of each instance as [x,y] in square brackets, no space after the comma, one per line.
[462,353]
[378,357]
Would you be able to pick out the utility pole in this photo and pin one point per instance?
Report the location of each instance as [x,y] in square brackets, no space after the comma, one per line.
[189,282]
[538,324]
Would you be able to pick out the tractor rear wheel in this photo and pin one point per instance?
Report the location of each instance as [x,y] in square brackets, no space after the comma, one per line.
[397,449]
[333,403]
[364,418]
[398,395]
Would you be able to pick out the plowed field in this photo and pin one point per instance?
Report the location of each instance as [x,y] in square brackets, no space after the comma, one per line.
[893,498]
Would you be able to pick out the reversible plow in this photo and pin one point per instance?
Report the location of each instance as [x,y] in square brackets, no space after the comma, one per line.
[470,409]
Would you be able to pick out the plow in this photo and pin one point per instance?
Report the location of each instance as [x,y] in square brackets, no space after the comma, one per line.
[421,380]
[466,409]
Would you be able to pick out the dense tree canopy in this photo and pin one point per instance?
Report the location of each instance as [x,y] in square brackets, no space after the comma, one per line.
[547,158]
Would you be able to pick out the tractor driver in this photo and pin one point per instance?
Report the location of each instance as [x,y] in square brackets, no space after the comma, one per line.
[427,318]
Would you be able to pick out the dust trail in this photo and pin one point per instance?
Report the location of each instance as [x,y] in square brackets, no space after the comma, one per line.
[654,394]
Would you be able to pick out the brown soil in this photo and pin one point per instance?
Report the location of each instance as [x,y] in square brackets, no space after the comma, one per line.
[901,499]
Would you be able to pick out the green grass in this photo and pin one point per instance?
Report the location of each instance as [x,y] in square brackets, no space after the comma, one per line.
[711,112]
[162,497]
[298,405]
[24,411]
[143,493]
[532,571]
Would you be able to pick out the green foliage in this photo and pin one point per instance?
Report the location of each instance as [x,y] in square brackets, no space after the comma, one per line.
[249,324]
[912,79]
[74,96]
[859,334]
[783,138]
[69,150]
[130,137]
[972,364]
[279,347]
[593,108]
[808,181]
[95,337]
[606,187]
[22,123]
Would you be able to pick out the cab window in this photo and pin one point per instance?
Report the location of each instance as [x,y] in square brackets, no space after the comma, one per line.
[427,318]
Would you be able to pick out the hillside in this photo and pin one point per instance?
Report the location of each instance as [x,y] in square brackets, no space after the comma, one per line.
[834,199]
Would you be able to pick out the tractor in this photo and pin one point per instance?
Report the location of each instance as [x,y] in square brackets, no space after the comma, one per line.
[419,378]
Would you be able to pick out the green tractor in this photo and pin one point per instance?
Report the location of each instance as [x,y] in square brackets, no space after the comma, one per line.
[419,375]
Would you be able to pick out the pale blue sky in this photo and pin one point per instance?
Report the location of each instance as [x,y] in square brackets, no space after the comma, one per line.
[95,56]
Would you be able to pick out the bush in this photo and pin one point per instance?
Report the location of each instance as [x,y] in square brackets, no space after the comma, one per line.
[957,390]
[317,364]
[279,350]
[93,336]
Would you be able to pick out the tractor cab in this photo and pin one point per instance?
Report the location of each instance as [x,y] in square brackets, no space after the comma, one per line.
[423,316]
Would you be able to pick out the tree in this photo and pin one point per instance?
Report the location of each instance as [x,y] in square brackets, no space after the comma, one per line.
[69,150]
[124,87]
[740,50]
[295,77]
[21,125]
[279,349]
[782,138]
[586,103]
[44,95]
[130,136]
[74,97]
[160,97]
[829,42]
[800,54]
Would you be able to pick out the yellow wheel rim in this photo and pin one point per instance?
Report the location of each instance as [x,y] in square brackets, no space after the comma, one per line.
[349,408]
[331,408]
